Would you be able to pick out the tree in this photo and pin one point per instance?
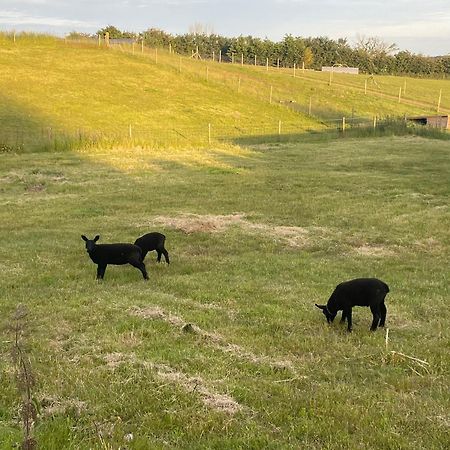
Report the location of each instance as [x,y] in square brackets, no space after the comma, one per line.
[374,46]
[292,49]
[153,37]
[308,57]
[115,33]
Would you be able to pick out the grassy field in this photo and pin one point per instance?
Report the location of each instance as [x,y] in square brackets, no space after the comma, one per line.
[57,94]
[256,236]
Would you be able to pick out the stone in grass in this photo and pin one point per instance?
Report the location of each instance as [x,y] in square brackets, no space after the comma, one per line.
[188,328]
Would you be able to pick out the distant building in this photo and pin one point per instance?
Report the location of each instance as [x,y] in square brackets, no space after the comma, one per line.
[432,121]
[341,69]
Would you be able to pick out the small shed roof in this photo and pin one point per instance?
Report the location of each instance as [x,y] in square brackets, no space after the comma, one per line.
[436,121]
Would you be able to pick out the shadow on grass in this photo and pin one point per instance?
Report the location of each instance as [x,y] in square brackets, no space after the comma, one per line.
[384,128]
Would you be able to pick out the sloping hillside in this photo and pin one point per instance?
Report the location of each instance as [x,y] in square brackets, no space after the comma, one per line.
[52,88]
[47,83]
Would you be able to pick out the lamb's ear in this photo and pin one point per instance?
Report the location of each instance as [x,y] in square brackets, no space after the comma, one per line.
[320,306]
[84,238]
[96,238]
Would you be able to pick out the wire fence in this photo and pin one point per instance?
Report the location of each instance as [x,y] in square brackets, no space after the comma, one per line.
[19,139]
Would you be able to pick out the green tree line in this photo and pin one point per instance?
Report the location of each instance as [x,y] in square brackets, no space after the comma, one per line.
[370,55]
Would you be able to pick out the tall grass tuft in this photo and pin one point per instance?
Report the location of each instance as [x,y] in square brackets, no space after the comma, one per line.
[24,376]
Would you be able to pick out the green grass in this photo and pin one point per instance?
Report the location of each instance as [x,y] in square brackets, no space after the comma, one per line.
[256,237]
[64,95]
[51,88]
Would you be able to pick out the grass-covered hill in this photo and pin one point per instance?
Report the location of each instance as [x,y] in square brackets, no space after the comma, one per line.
[47,83]
[50,86]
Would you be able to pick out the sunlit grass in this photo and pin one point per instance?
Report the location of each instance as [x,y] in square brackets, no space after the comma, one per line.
[256,237]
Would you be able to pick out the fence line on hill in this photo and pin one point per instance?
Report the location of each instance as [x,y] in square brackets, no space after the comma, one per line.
[184,63]
[44,138]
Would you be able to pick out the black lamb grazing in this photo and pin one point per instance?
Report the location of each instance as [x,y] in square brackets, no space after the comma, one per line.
[359,292]
[118,254]
[153,241]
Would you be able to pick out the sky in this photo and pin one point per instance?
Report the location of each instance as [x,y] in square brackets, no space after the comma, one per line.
[420,26]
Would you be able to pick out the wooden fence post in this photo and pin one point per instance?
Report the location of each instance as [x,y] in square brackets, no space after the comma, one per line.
[14,36]
[343,124]
[142,46]
[279,127]
[156,55]
[400,94]
[439,100]
[267,64]
[294,70]
[214,55]
[374,122]
[365,87]
[255,60]
[242,59]
[220,56]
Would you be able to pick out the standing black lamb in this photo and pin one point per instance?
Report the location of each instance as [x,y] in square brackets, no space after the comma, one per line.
[118,254]
[153,241]
[359,292]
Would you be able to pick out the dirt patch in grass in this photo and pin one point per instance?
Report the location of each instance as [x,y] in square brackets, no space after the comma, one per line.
[215,400]
[38,187]
[377,251]
[51,406]
[193,223]
[429,245]
[290,235]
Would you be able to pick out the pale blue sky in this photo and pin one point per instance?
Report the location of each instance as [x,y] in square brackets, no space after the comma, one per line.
[421,26]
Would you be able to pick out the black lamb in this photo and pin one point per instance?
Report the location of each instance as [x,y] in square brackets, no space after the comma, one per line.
[118,254]
[359,292]
[153,241]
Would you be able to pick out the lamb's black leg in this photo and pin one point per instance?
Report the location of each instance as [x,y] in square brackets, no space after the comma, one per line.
[144,254]
[376,316]
[348,315]
[166,255]
[101,271]
[141,266]
[143,271]
[383,312]
[158,259]
[343,317]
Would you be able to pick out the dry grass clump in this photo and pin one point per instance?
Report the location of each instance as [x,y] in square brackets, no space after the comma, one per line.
[215,400]
[292,236]
[214,339]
